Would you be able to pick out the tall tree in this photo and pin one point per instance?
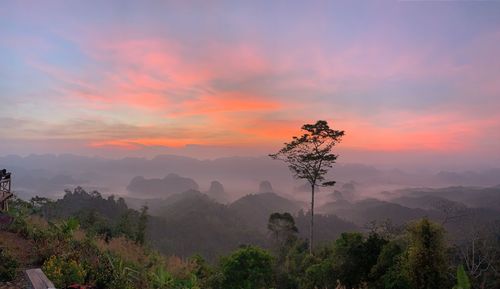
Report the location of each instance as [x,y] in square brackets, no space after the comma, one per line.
[284,232]
[427,265]
[310,156]
[283,229]
[141,226]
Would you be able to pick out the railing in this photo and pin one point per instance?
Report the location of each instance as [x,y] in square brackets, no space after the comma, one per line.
[4,189]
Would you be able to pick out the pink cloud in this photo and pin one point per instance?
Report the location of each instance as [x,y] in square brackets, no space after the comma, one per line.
[171,81]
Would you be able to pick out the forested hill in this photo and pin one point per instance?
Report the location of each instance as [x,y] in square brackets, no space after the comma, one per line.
[99,241]
[191,222]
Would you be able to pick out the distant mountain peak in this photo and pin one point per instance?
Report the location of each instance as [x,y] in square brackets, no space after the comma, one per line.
[265,187]
[217,192]
[170,184]
[216,188]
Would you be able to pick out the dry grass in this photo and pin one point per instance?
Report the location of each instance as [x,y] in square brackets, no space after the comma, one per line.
[177,266]
[20,248]
[128,250]
[38,222]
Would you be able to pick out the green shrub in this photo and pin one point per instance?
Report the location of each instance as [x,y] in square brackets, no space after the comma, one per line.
[8,266]
[247,268]
[103,274]
[161,278]
[64,229]
[462,279]
[187,283]
[123,276]
[64,272]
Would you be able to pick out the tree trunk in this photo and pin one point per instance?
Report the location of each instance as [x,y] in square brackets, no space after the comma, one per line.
[311,236]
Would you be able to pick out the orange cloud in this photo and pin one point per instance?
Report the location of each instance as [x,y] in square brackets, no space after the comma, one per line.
[444,132]
[166,82]
[215,105]
[401,132]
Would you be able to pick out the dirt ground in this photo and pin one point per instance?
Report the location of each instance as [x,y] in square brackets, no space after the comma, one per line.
[19,283]
[22,250]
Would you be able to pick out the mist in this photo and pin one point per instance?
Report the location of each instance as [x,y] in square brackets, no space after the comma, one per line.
[50,175]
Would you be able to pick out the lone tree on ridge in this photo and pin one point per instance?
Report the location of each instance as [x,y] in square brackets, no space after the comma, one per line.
[310,156]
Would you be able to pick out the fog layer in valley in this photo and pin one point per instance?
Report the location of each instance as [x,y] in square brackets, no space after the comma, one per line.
[213,206]
[163,175]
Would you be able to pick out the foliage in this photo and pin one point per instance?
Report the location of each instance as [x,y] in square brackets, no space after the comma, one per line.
[389,271]
[8,266]
[354,257]
[64,229]
[247,268]
[310,156]
[320,275]
[123,276]
[284,232]
[73,250]
[202,270]
[462,279]
[104,217]
[161,278]
[64,271]
[42,206]
[290,269]
[282,226]
[19,210]
[140,235]
[426,255]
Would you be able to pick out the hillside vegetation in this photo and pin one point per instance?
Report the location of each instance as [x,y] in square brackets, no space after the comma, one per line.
[84,238]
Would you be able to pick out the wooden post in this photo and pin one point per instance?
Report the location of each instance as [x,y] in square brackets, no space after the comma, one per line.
[38,280]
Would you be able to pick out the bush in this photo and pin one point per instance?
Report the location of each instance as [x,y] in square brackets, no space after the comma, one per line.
[247,268]
[8,266]
[64,272]
[161,278]
[123,276]
[103,274]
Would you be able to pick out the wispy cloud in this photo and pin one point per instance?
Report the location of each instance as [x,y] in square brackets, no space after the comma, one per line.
[393,81]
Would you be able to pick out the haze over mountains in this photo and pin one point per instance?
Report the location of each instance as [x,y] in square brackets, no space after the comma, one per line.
[213,206]
[192,222]
[167,174]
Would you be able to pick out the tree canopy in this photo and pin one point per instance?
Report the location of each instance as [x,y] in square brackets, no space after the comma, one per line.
[309,156]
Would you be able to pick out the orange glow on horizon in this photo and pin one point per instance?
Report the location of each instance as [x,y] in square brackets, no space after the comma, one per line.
[248,132]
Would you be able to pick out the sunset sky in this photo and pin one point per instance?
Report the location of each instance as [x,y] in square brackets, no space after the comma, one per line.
[404,79]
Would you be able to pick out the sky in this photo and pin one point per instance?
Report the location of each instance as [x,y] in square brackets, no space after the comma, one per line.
[408,81]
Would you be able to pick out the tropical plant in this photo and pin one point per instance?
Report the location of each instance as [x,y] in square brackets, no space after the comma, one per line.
[63,230]
[64,272]
[8,266]
[426,255]
[140,235]
[124,276]
[462,279]
[161,278]
[247,268]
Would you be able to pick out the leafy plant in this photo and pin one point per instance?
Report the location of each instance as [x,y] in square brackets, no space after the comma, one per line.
[247,268]
[8,266]
[190,283]
[64,272]
[63,230]
[161,278]
[310,157]
[462,279]
[19,225]
[123,276]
